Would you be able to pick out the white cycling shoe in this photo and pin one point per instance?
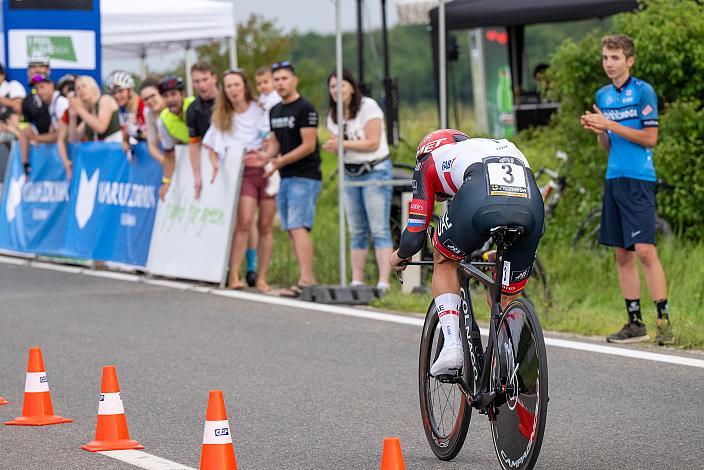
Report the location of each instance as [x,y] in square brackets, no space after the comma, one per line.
[449,361]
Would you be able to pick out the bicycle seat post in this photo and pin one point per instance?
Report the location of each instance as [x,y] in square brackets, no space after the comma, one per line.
[504,236]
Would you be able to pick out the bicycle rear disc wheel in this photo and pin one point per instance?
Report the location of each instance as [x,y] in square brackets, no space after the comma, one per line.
[443,406]
[521,372]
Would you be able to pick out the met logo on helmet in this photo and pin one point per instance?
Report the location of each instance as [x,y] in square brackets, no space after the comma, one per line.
[427,148]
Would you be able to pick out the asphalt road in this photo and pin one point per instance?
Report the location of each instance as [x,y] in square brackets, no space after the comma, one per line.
[304,390]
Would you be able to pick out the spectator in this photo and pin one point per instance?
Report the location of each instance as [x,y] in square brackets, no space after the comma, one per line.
[540,75]
[625,121]
[268,97]
[120,85]
[34,111]
[11,93]
[294,123]
[56,105]
[239,120]
[366,158]
[66,84]
[153,105]
[99,114]
[172,128]
[205,83]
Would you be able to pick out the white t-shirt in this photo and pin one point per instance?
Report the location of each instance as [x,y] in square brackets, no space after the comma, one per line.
[248,130]
[269,100]
[57,108]
[354,130]
[12,90]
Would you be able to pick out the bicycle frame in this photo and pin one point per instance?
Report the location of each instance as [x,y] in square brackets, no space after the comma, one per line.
[467,269]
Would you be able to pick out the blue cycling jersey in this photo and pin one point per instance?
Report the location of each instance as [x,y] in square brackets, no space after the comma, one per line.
[633,105]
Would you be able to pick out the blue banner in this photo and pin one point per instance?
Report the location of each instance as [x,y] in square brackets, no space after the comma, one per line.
[106,212]
[35,208]
[67,32]
[112,213]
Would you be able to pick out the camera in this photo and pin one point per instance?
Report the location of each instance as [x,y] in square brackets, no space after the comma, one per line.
[5,113]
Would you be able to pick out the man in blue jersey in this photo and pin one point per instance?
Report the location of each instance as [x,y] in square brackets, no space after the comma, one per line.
[625,121]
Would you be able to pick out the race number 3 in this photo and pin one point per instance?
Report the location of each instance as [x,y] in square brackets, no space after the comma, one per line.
[507,179]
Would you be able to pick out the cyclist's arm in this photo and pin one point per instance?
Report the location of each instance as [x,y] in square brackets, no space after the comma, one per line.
[420,210]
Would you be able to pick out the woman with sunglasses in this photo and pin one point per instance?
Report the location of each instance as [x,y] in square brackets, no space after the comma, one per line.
[366,158]
[239,120]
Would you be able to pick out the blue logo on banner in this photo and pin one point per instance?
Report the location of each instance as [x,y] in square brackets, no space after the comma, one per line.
[35,208]
[112,214]
[105,213]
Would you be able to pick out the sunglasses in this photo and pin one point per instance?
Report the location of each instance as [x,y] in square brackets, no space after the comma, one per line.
[285,64]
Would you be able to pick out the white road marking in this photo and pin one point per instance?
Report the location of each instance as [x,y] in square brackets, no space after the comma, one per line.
[144,460]
[368,314]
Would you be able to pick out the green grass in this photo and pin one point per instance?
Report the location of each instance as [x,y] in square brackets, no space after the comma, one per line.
[583,282]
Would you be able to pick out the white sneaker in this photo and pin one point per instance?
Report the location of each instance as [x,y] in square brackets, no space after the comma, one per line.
[449,361]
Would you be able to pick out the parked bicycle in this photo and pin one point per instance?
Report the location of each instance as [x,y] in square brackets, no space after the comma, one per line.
[507,381]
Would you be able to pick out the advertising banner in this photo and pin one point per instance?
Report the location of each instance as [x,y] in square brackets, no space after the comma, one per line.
[35,208]
[192,238]
[491,77]
[114,203]
[67,32]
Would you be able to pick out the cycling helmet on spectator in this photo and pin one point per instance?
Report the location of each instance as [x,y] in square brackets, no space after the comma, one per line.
[171,83]
[119,80]
[437,139]
[68,79]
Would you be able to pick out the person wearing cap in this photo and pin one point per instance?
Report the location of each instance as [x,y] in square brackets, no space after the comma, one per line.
[66,84]
[11,92]
[172,125]
[56,106]
[34,112]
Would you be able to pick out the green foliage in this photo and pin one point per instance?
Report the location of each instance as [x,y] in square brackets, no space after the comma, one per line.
[669,38]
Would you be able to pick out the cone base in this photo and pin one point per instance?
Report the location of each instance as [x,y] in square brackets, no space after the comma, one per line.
[38,420]
[121,444]
[3,401]
[218,457]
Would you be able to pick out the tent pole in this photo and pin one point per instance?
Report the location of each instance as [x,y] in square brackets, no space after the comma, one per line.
[340,144]
[233,38]
[360,46]
[442,63]
[188,63]
[143,63]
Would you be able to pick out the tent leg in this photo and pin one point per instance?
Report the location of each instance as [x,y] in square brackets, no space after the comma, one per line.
[189,63]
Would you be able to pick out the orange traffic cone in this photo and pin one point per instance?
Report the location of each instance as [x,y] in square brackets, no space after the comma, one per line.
[3,401]
[391,457]
[111,431]
[218,453]
[37,409]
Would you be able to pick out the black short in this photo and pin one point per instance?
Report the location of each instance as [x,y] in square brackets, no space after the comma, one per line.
[628,213]
[473,212]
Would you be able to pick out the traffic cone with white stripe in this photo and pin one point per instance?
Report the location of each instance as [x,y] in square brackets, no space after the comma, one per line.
[37,409]
[3,401]
[391,457]
[217,453]
[111,432]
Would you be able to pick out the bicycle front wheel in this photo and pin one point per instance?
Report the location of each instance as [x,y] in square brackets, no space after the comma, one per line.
[519,370]
[443,406]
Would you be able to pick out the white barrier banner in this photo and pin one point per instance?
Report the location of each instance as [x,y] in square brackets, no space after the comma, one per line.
[192,238]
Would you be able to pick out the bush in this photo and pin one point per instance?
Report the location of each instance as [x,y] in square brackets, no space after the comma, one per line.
[669,38]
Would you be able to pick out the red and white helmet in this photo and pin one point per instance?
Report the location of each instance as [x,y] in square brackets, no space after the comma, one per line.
[436,139]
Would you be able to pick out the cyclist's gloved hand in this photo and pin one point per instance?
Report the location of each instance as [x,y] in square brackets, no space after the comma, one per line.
[397,263]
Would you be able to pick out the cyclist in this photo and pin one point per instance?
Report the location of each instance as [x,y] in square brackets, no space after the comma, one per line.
[489,183]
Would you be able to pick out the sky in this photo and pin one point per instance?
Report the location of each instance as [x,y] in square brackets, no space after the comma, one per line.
[316,15]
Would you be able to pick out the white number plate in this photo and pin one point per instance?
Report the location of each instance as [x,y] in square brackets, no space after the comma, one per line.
[507,179]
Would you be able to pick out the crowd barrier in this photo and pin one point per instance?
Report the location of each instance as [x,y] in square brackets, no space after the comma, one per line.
[110,210]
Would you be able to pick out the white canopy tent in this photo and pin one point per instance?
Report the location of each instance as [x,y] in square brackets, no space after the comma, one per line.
[137,29]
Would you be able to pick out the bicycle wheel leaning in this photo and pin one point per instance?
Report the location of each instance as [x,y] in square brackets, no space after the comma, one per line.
[521,370]
[443,407]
